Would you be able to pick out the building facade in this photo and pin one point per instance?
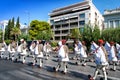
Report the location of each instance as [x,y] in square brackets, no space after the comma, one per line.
[63,20]
[112,18]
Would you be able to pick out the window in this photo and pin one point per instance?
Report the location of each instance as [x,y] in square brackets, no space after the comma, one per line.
[57,38]
[117,24]
[89,15]
[81,22]
[63,37]
[52,27]
[111,24]
[52,22]
[82,15]
[95,14]
[107,24]
[57,26]
[65,31]
[57,32]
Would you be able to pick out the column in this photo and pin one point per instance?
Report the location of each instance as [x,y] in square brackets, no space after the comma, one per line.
[114,25]
[119,23]
[108,26]
[78,21]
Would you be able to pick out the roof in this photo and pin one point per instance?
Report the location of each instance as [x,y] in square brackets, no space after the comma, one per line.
[71,6]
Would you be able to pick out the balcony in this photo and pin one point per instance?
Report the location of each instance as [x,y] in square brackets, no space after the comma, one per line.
[57,23]
[81,19]
[73,20]
[72,27]
[65,22]
[62,34]
[56,34]
[65,28]
[57,29]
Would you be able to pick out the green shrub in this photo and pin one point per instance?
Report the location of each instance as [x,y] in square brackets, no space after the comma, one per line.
[53,43]
[7,42]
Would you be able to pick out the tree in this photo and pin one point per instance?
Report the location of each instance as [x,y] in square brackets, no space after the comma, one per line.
[11,29]
[12,23]
[87,33]
[24,36]
[96,33]
[1,34]
[18,23]
[7,30]
[111,34]
[15,32]
[40,30]
[75,33]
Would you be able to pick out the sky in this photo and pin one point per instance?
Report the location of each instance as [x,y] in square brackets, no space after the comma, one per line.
[29,10]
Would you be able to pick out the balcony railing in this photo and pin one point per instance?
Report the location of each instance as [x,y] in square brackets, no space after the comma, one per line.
[81,19]
[63,28]
[74,20]
[62,34]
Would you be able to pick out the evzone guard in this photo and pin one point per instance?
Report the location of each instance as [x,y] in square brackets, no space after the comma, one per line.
[118,52]
[100,59]
[12,48]
[83,54]
[62,56]
[47,50]
[3,47]
[39,54]
[113,55]
[76,51]
[22,51]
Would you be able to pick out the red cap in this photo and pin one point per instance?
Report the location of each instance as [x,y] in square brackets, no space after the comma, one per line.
[100,41]
[63,42]
[111,42]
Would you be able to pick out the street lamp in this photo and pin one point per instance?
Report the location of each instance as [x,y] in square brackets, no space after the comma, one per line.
[28,15]
[3,24]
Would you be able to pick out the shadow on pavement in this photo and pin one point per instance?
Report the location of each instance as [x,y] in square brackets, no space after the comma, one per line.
[79,75]
[71,63]
[92,66]
[49,68]
[55,60]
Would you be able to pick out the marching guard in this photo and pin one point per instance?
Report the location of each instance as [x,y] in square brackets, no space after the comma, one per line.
[22,50]
[47,49]
[80,52]
[3,48]
[83,54]
[32,51]
[12,49]
[62,56]
[113,55]
[76,51]
[100,59]
[32,48]
[39,53]
[118,52]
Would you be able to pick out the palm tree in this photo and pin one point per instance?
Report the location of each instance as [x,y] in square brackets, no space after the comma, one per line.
[15,32]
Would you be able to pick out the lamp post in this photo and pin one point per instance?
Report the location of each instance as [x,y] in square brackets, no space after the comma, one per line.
[28,15]
[3,24]
[3,32]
